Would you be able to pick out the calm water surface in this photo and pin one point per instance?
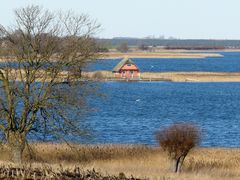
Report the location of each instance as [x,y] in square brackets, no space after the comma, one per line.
[132,112]
[229,63]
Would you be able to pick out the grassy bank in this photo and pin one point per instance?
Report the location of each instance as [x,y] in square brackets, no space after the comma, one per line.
[193,76]
[146,76]
[161,54]
[171,76]
[139,161]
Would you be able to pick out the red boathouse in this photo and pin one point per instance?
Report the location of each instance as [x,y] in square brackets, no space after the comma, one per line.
[126,68]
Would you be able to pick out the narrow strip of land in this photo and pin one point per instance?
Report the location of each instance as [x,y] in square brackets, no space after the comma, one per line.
[170,76]
[144,76]
[162,54]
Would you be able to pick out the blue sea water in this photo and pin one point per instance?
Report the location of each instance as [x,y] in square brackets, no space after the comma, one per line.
[230,62]
[132,112]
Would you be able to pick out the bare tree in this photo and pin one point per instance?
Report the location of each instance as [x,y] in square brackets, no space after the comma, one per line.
[177,140]
[40,91]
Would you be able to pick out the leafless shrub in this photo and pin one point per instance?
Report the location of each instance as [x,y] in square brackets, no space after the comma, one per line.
[177,140]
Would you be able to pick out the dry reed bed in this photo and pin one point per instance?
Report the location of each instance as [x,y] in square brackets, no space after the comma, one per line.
[193,76]
[11,172]
[200,164]
[140,161]
[157,76]
[171,76]
[161,54]
[74,153]
[144,54]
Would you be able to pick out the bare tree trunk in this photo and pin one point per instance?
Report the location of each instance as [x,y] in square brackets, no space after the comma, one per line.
[16,142]
[181,159]
[177,164]
[180,163]
[174,165]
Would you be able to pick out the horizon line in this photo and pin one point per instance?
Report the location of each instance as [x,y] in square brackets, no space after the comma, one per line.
[146,38]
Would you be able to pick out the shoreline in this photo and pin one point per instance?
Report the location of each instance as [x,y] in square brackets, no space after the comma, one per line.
[167,53]
[160,55]
[104,76]
[148,55]
[168,76]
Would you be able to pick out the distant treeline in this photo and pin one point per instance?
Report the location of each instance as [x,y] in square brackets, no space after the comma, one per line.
[173,43]
[196,47]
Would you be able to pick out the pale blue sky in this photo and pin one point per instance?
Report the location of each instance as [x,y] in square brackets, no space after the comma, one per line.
[186,19]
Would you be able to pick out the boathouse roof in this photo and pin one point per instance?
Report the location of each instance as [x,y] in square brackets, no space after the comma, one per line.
[122,63]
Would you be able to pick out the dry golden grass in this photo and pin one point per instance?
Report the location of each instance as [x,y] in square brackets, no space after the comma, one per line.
[139,161]
[75,153]
[37,173]
[147,76]
[192,76]
[200,164]
[160,54]
[98,75]
[172,76]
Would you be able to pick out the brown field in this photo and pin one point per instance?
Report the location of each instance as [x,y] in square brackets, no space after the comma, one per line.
[139,161]
[161,54]
[171,76]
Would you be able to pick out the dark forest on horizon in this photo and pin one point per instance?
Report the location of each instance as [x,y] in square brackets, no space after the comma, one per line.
[201,44]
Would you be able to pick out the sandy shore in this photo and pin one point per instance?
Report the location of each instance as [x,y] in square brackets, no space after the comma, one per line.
[142,54]
[162,54]
[144,76]
[171,76]
[193,76]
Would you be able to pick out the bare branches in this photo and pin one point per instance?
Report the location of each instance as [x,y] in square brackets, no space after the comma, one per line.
[177,140]
[33,20]
[44,46]
[77,25]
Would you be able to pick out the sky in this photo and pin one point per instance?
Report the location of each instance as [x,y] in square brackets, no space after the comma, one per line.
[183,19]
